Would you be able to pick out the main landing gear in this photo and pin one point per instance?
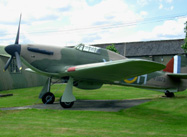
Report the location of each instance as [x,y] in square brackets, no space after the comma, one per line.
[48,98]
[66,101]
[66,104]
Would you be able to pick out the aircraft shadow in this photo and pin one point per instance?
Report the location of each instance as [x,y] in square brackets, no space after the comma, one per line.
[89,105]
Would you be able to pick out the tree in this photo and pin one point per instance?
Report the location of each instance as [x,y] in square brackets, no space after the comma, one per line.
[184,46]
[112,48]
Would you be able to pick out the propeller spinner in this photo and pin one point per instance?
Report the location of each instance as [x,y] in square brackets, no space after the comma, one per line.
[14,50]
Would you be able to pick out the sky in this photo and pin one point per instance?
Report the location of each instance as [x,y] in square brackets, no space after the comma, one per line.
[71,22]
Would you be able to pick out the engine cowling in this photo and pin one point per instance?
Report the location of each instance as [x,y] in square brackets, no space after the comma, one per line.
[89,85]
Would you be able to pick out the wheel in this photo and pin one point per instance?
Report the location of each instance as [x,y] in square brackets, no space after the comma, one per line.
[48,98]
[169,94]
[66,104]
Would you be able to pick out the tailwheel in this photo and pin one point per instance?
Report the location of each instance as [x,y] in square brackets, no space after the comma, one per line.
[169,94]
[48,98]
[66,104]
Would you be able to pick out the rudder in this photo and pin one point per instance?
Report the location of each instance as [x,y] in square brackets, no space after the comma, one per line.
[174,65]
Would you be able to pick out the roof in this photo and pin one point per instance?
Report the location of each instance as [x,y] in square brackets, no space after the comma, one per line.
[148,48]
[163,47]
[118,46]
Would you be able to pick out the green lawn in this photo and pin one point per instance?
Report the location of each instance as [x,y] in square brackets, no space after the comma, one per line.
[159,117]
[29,96]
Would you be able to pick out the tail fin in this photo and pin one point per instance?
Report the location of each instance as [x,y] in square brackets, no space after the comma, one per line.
[174,65]
[169,66]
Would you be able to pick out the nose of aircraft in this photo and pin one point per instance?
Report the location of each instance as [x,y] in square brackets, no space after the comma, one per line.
[11,49]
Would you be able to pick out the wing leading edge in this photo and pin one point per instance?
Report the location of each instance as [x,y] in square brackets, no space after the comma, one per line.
[114,70]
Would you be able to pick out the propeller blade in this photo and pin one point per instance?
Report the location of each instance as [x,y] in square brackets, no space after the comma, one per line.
[17,36]
[14,50]
[8,63]
[18,60]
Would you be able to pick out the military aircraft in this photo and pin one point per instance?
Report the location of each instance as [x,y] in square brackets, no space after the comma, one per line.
[172,79]
[82,66]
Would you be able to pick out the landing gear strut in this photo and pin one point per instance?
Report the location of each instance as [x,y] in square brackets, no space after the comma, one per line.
[169,94]
[67,100]
[46,96]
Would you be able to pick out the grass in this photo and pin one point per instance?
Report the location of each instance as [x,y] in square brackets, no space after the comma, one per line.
[159,117]
[29,96]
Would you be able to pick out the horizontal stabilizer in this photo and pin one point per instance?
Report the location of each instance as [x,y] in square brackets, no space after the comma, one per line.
[178,76]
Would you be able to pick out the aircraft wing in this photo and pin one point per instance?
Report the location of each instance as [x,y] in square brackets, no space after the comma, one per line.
[178,75]
[114,70]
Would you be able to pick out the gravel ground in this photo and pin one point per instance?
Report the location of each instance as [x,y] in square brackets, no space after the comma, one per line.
[89,105]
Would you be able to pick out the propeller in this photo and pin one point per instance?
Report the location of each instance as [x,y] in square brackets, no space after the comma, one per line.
[14,50]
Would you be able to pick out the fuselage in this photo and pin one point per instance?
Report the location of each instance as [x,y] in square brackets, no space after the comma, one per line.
[158,81]
[54,61]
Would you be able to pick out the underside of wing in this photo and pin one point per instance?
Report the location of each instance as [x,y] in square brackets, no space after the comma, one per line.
[178,75]
[114,70]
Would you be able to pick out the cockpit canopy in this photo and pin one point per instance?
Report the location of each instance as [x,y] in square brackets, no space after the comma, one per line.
[87,48]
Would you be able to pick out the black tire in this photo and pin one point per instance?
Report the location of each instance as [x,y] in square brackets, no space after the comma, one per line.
[169,94]
[48,98]
[66,104]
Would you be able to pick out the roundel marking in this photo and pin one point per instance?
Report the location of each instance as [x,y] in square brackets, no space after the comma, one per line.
[130,80]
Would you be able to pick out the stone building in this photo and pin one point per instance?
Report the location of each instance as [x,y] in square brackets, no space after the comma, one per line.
[161,51]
